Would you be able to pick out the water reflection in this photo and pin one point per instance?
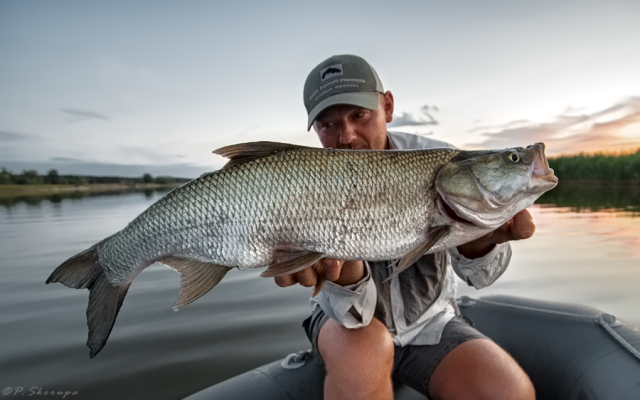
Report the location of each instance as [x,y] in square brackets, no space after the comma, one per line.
[594,198]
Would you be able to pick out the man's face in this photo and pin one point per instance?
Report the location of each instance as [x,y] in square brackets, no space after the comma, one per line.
[351,127]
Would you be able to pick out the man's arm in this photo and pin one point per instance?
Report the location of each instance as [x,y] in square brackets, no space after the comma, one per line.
[348,296]
[481,262]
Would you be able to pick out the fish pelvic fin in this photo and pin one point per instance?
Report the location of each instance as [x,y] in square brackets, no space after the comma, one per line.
[83,271]
[433,236]
[245,152]
[321,274]
[196,277]
[289,259]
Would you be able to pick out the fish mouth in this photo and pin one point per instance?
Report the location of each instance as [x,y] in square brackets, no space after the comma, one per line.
[541,170]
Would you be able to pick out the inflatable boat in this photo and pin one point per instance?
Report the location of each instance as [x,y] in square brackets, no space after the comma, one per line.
[569,351]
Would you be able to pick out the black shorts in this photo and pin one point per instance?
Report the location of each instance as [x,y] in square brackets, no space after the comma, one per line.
[412,365]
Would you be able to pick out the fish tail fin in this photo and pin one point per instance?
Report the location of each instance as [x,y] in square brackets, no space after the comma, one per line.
[83,271]
[79,271]
[104,304]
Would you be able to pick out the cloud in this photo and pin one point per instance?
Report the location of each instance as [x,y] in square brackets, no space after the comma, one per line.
[6,136]
[424,118]
[503,126]
[571,132]
[65,159]
[82,115]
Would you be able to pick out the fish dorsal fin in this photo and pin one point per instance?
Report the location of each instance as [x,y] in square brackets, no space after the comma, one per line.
[433,236]
[289,259]
[245,152]
[196,277]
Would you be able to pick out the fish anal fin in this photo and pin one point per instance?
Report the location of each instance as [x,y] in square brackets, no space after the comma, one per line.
[288,259]
[245,152]
[196,277]
[433,236]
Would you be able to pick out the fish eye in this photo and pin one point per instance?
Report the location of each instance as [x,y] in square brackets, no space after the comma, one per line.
[514,157]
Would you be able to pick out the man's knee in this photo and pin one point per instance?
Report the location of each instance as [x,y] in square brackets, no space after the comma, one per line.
[371,344]
[480,369]
[359,362]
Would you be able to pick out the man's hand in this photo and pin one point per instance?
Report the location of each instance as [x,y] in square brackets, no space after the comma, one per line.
[338,271]
[519,227]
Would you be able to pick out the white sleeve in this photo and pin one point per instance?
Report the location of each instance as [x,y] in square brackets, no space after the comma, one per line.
[481,272]
[352,305]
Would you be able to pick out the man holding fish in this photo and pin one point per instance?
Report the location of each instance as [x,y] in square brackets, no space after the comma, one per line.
[366,327]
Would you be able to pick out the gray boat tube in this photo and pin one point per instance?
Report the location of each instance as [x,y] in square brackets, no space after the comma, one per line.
[570,351]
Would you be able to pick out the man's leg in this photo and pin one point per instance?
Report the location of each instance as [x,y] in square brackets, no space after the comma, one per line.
[359,362]
[479,369]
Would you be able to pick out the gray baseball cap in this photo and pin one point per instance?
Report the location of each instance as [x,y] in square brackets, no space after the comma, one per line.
[343,79]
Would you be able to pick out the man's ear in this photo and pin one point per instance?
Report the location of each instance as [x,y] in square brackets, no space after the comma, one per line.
[388,106]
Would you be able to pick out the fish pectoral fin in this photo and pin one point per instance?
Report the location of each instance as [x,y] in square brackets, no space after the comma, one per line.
[433,236]
[196,277]
[245,152]
[288,259]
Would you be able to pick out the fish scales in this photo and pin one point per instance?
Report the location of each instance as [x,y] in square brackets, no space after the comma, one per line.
[331,202]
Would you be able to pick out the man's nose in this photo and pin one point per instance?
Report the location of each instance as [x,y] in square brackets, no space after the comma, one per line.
[347,132]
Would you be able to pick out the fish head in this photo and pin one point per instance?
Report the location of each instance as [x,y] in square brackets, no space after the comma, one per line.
[487,188]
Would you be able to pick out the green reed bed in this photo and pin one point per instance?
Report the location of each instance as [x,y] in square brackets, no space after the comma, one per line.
[600,168]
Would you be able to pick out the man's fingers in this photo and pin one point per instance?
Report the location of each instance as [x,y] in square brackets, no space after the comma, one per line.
[307,277]
[332,268]
[522,226]
[285,280]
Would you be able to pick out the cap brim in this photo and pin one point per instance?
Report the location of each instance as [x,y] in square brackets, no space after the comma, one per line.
[368,100]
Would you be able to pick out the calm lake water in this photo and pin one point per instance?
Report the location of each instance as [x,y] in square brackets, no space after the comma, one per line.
[586,250]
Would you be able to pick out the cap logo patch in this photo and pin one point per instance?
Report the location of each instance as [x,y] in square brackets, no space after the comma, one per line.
[331,71]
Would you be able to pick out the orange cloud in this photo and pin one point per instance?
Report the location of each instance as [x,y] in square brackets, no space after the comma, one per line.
[599,131]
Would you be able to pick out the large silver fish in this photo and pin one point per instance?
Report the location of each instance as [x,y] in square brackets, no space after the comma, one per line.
[285,207]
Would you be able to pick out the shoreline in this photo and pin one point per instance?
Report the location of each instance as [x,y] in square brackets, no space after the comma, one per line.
[44,189]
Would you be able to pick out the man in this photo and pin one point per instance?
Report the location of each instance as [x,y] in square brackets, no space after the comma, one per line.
[364,330]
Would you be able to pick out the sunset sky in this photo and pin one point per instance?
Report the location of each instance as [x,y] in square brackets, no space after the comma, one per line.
[126,87]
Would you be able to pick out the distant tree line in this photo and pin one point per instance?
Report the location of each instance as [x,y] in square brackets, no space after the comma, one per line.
[31,177]
[598,167]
